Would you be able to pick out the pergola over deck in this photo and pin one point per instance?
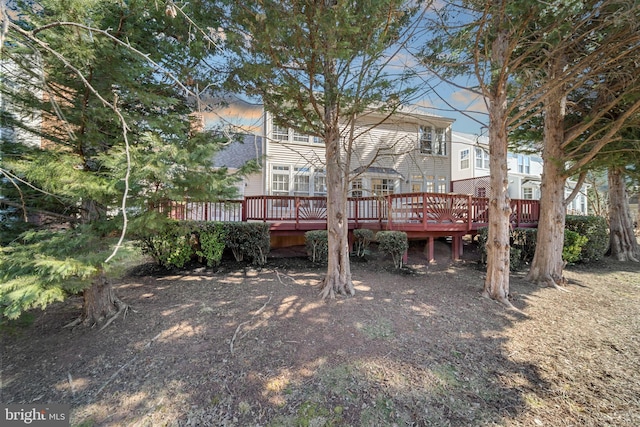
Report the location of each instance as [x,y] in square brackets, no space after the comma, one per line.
[421,215]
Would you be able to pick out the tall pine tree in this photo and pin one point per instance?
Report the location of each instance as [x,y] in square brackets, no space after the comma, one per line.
[101,79]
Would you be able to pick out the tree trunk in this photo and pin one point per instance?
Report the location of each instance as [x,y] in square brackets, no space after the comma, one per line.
[623,244]
[338,278]
[496,284]
[547,265]
[99,302]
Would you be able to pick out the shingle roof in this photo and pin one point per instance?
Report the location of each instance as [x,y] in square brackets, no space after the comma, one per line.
[237,153]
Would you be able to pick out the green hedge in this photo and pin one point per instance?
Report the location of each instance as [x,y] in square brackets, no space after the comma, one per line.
[394,243]
[317,245]
[175,243]
[596,230]
[249,240]
[523,246]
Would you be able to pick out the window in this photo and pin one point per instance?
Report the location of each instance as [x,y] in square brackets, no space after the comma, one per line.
[524,164]
[464,159]
[382,186]
[430,184]
[527,193]
[440,147]
[425,140]
[280,180]
[298,137]
[301,182]
[356,187]
[416,184]
[442,184]
[280,133]
[319,183]
[482,159]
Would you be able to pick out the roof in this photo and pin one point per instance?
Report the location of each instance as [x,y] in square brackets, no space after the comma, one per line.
[239,152]
[378,170]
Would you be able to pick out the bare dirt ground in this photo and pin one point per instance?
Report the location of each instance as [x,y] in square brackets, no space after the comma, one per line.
[237,346]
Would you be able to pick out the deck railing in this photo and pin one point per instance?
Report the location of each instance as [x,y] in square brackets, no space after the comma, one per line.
[410,211]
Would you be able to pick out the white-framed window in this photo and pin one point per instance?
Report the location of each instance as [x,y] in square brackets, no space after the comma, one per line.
[442,184]
[527,193]
[382,186]
[357,188]
[319,183]
[416,183]
[482,159]
[440,143]
[299,137]
[524,164]
[280,133]
[464,159]
[430,183]
[425,140]
[301,181]
[280,180]
[432,141]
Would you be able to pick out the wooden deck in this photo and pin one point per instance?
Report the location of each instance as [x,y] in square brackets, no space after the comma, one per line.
[420,215]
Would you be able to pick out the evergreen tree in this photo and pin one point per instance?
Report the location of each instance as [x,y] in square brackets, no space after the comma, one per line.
[113,135]
[318,65]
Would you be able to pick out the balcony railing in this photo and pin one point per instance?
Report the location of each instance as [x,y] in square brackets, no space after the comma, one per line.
[409,211]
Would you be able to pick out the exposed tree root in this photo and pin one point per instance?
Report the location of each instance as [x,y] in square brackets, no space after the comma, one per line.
[235,334]
[329,288]
[122,309]
[505,302]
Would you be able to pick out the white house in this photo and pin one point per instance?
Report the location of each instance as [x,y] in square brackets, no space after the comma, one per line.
[407,152]
[470,172]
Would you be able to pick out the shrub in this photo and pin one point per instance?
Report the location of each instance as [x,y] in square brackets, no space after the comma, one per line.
[362,239]
[394,243]
[211,239]
[522,244]
[524,239]
[573,244]
[248,239]
[170,245]
[316,243]
[596,230]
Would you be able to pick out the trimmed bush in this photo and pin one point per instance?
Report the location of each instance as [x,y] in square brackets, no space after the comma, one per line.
[211,242]
[524,239]
[394,243]
[596,230]
[316,243]
[175,243]
[523,246]
[362,238]
[573,244]
[171,245]
[249,240]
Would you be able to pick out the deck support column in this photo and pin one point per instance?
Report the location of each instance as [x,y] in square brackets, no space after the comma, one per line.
[456,247]
[429,249]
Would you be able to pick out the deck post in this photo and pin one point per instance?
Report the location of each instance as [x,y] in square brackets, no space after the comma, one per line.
[430,256]
[469,212]
[264,208]
[424,212]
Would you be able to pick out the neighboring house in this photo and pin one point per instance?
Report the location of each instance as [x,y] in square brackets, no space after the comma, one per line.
[408,152]
[470,172]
